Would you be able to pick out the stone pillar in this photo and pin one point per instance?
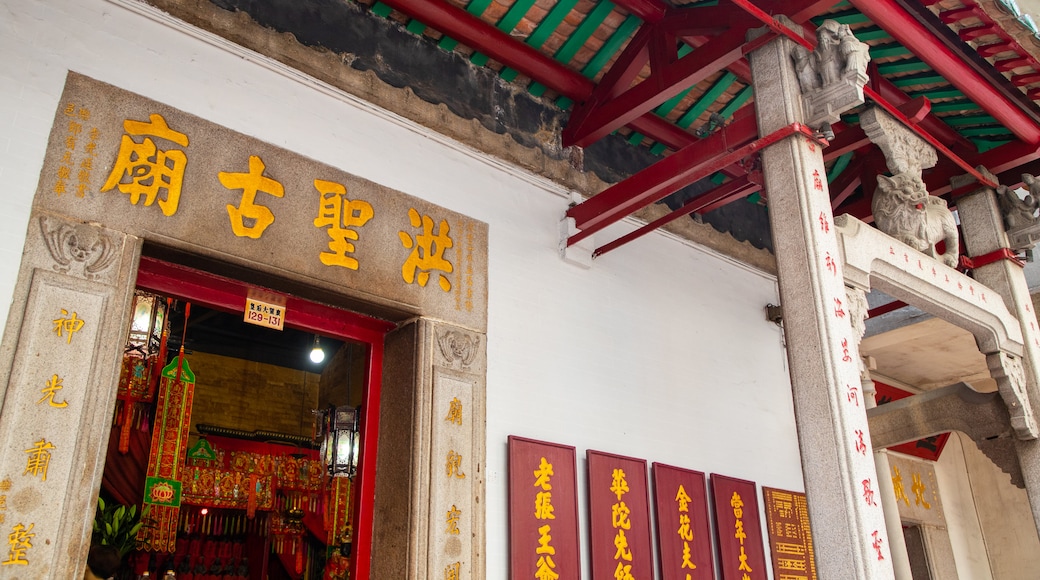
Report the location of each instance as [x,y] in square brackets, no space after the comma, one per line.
[858,311]
[845,511]
[984,233]
[61,355]
[429,515]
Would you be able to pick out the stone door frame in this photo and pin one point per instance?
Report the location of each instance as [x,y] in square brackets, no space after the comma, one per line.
[441,359]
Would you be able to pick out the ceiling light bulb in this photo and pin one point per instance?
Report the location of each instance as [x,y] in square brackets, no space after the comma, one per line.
[317,355]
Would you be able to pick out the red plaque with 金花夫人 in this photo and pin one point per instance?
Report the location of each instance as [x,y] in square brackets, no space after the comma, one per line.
[683,530]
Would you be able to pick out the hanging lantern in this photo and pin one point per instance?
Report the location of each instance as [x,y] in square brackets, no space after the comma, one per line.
[143,357]
[339,440]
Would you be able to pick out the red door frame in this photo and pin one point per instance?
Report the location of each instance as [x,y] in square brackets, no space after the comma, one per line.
[229,295]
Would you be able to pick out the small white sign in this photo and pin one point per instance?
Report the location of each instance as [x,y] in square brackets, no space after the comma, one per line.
[265,312]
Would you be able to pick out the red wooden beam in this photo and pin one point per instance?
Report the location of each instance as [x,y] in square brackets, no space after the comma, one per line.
[651,11]
[735,189]
[660,179]
[697,161]
[913,35]
[884,92]
[846,183]
[1004,161]
[596,120]
[619,78]
[475,33]
[736,192]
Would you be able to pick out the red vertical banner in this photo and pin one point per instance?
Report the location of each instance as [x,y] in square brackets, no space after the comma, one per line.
[739,528]
[683,530]
[543,511]
[790,539]
[619,517]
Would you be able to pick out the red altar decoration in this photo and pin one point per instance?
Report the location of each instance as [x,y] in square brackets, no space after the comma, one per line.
[289,482]
[169,443]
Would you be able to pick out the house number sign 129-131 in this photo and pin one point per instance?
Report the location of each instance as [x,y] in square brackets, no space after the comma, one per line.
[265,312]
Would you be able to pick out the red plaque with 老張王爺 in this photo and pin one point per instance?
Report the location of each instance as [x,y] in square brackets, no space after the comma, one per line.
[543,511]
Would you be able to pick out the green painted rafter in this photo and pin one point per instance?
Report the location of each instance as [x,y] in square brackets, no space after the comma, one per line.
[506,24]
[476,8]
[575,42]
[544,30]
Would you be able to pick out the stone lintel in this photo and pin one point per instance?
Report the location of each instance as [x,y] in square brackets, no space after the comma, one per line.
[874,260]
[955,407]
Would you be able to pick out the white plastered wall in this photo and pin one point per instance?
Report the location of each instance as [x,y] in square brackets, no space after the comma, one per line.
[969,549]
[660,351]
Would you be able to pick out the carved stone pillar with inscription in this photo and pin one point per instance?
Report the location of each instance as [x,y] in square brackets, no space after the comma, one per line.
[1018,379]
[840,480]
[63,351]
[429,497]
[858,311]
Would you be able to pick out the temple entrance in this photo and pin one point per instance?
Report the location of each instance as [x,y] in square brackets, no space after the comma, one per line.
[241,450]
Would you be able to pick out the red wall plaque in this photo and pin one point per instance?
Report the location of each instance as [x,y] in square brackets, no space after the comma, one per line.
[683,531]
[738,528]
[619,517]
[790,540]
[543,511]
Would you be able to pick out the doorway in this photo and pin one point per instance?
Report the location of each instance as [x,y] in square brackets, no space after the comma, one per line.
[273,454]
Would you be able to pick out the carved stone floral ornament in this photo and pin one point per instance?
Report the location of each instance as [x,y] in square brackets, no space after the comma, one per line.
[458,347]
[73,245]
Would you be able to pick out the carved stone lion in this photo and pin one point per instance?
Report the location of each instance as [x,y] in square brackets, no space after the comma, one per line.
[904,210]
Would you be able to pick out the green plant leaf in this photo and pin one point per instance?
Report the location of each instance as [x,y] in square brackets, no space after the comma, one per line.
[101,504]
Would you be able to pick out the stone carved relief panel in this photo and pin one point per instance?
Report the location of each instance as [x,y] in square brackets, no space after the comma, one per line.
[831,76]
[1020,219]
[57,368]
[901,205]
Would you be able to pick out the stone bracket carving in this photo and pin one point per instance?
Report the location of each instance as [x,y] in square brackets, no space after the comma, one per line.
[904,151]
[831,76]
[1020,219]
[983,417]
[901,205]
[1007,370]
